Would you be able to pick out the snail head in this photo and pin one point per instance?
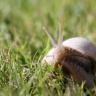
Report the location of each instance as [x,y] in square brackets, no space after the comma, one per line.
[57,55]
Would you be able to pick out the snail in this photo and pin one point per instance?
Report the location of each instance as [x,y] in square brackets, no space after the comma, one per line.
[76,55]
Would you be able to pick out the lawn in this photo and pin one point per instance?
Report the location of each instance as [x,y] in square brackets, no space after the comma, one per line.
[23,44]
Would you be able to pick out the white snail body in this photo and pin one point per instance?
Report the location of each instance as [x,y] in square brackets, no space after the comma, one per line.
[77,55]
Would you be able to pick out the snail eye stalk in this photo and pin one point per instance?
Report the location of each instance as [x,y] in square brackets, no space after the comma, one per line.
[50,37]
[60,39]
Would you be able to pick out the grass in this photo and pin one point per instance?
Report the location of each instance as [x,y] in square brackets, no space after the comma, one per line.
[23,41]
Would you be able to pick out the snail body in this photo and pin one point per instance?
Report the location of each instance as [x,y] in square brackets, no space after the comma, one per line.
[77,56]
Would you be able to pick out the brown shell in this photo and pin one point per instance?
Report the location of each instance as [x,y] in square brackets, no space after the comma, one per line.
[80,66]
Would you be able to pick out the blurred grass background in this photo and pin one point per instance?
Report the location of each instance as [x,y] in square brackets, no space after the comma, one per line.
[22,41]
